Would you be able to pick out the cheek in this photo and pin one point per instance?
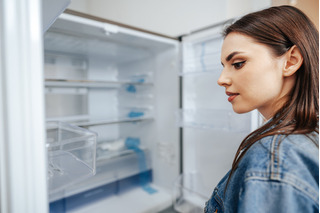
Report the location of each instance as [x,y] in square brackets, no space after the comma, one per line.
[260,85]
[261,78]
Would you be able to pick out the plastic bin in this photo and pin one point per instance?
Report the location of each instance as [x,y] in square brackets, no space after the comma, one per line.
[71,155]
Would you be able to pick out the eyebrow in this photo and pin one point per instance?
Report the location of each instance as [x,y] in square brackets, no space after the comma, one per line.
[230,56]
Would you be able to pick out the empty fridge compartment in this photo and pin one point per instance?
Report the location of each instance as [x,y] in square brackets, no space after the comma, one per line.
[71,155]
[60,66]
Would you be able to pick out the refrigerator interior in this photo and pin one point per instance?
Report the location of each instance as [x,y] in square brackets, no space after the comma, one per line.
[123,86]
[212,132]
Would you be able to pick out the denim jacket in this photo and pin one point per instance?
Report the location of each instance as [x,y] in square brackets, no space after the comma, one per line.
[277,174]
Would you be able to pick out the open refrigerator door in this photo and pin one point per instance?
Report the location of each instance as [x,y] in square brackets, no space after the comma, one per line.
[212,132]
[123,85]
[51,11]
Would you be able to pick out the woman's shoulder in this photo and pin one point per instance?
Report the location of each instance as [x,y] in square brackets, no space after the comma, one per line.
[283,149]
[287,159]
[273,162]
[297,155]
[300,143]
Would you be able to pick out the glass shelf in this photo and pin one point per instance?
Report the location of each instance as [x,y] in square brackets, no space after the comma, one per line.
[109,122]
[89,83]
[86,121]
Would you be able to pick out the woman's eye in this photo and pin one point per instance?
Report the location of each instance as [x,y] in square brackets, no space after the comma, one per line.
[238,65]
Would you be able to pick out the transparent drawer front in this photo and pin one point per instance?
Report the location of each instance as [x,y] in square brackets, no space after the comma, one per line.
[187,198]
[71,154]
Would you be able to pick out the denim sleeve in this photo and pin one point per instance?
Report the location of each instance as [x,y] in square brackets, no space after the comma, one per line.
[262,196]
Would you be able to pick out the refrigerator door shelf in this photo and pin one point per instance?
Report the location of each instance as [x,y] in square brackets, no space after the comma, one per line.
[204,71]
[202,56]
[214,120]
[186,197]
[71,155]
[206,63]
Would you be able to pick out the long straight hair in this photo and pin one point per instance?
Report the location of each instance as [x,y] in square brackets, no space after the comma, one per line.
[280,28]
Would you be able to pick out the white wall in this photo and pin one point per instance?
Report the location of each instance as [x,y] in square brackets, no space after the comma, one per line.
[169,17]
[79,5]
[241,7]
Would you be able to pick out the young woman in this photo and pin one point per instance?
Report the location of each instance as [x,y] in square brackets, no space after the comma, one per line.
[270,63]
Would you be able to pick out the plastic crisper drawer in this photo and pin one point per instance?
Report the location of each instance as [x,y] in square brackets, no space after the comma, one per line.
[113,166]
[71,155]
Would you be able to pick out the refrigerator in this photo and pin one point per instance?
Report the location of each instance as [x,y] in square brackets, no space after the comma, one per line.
[134,121]
[159,129]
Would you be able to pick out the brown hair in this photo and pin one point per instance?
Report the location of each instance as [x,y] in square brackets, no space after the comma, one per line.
[280,28]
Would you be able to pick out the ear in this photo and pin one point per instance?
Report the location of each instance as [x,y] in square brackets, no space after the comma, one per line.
[293,61]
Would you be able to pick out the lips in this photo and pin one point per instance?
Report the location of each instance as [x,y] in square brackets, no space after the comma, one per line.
[231,96]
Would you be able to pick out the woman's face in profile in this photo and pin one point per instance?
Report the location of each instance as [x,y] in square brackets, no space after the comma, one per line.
[252,75]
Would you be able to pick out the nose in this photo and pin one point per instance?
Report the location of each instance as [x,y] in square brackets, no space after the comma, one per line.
[224,80]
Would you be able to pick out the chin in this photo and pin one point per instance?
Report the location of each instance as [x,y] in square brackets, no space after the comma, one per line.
[241,110]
